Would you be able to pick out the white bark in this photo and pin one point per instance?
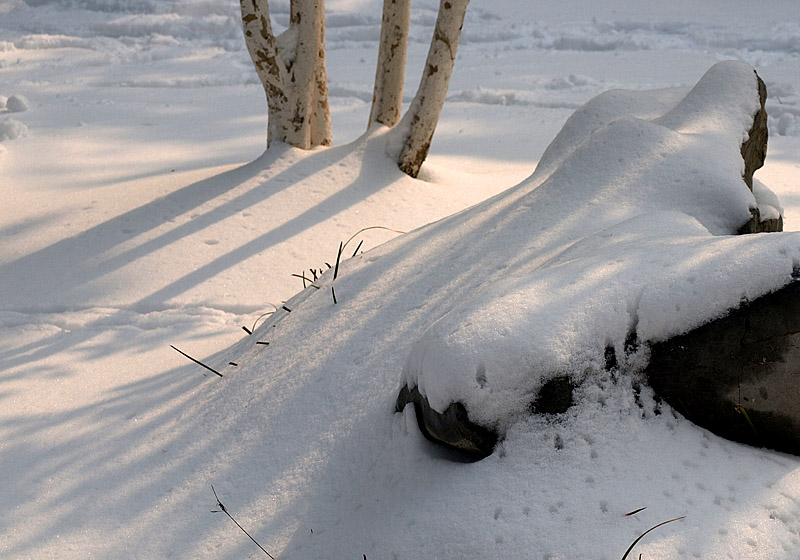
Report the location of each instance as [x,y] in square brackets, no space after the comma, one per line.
[387,98]
[321,126]
[292,70]
[421,118]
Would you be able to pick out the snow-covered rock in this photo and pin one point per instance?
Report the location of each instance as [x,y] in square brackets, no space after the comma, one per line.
[624,233]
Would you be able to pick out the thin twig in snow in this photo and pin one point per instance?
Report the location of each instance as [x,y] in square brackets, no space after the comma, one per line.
[225,511]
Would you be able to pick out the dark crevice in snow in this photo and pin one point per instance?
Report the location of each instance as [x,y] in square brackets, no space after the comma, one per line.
[610,357]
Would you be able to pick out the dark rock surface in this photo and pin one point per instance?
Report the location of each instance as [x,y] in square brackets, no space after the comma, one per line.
[738,376]
[554,397]
[451,428]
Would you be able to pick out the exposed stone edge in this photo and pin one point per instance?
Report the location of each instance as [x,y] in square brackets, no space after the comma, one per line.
[451,428]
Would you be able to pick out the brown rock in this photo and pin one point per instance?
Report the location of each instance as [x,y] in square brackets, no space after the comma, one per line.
[738,376]
[754,152]
[754,149]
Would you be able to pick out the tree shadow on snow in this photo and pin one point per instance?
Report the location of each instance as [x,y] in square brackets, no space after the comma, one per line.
[109,474]
[70,274]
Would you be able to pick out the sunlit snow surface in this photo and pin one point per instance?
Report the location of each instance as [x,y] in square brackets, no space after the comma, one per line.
[138,212]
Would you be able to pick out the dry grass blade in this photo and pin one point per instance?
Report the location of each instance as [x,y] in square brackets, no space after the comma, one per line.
[306,280]
[338,258]
[740,409]
[198,362]
[360,243]
[362,230]
[624,556]
[261,317]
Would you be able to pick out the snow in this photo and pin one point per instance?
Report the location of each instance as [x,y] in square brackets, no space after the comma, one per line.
[139,212]
[11,129]
[17,104]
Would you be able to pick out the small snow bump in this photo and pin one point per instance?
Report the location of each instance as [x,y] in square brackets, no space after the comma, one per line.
[11,129]
[17,104]
[787,125]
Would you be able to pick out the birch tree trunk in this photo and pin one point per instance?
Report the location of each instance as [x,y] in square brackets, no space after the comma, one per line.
[421,118]
[291,67]
[387,97]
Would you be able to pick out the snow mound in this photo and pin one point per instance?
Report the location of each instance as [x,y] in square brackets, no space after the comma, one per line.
[11,129]
[621,233]
[17,104]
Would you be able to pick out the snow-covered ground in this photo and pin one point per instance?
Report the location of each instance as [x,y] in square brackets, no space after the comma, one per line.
[138,211]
